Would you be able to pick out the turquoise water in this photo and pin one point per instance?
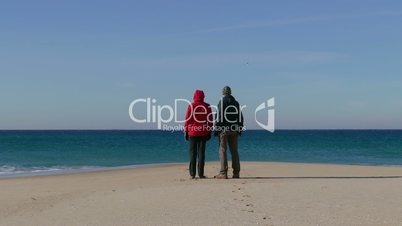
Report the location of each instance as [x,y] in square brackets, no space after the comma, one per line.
[49,151]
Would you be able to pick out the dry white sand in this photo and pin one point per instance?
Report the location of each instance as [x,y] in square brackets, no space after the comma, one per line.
[268,194]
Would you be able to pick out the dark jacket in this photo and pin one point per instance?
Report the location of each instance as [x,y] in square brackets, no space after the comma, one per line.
[229,115]
[199,117]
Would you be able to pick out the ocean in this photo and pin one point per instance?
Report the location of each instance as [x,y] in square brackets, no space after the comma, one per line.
[47,152]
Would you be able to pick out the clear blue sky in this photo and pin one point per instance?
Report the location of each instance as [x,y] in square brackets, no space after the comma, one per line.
[78,64]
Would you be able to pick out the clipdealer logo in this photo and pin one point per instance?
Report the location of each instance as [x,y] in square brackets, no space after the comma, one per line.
[161,115]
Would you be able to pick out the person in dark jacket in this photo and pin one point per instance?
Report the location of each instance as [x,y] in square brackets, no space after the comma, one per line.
[197,128]
[228,126]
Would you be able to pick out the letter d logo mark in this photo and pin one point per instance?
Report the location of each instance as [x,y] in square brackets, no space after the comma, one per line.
[269,104]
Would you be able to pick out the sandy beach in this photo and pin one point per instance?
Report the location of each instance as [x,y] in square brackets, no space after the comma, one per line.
[267,194]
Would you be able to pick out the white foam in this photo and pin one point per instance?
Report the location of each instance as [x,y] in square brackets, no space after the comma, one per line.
[7,171]
[12,171]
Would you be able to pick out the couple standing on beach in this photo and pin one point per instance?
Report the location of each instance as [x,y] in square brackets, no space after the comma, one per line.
[228,126]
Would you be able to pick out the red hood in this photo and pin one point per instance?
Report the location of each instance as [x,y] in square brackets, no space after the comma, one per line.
[199,96]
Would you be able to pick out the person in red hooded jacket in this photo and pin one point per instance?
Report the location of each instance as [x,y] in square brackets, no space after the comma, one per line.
[197,128]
